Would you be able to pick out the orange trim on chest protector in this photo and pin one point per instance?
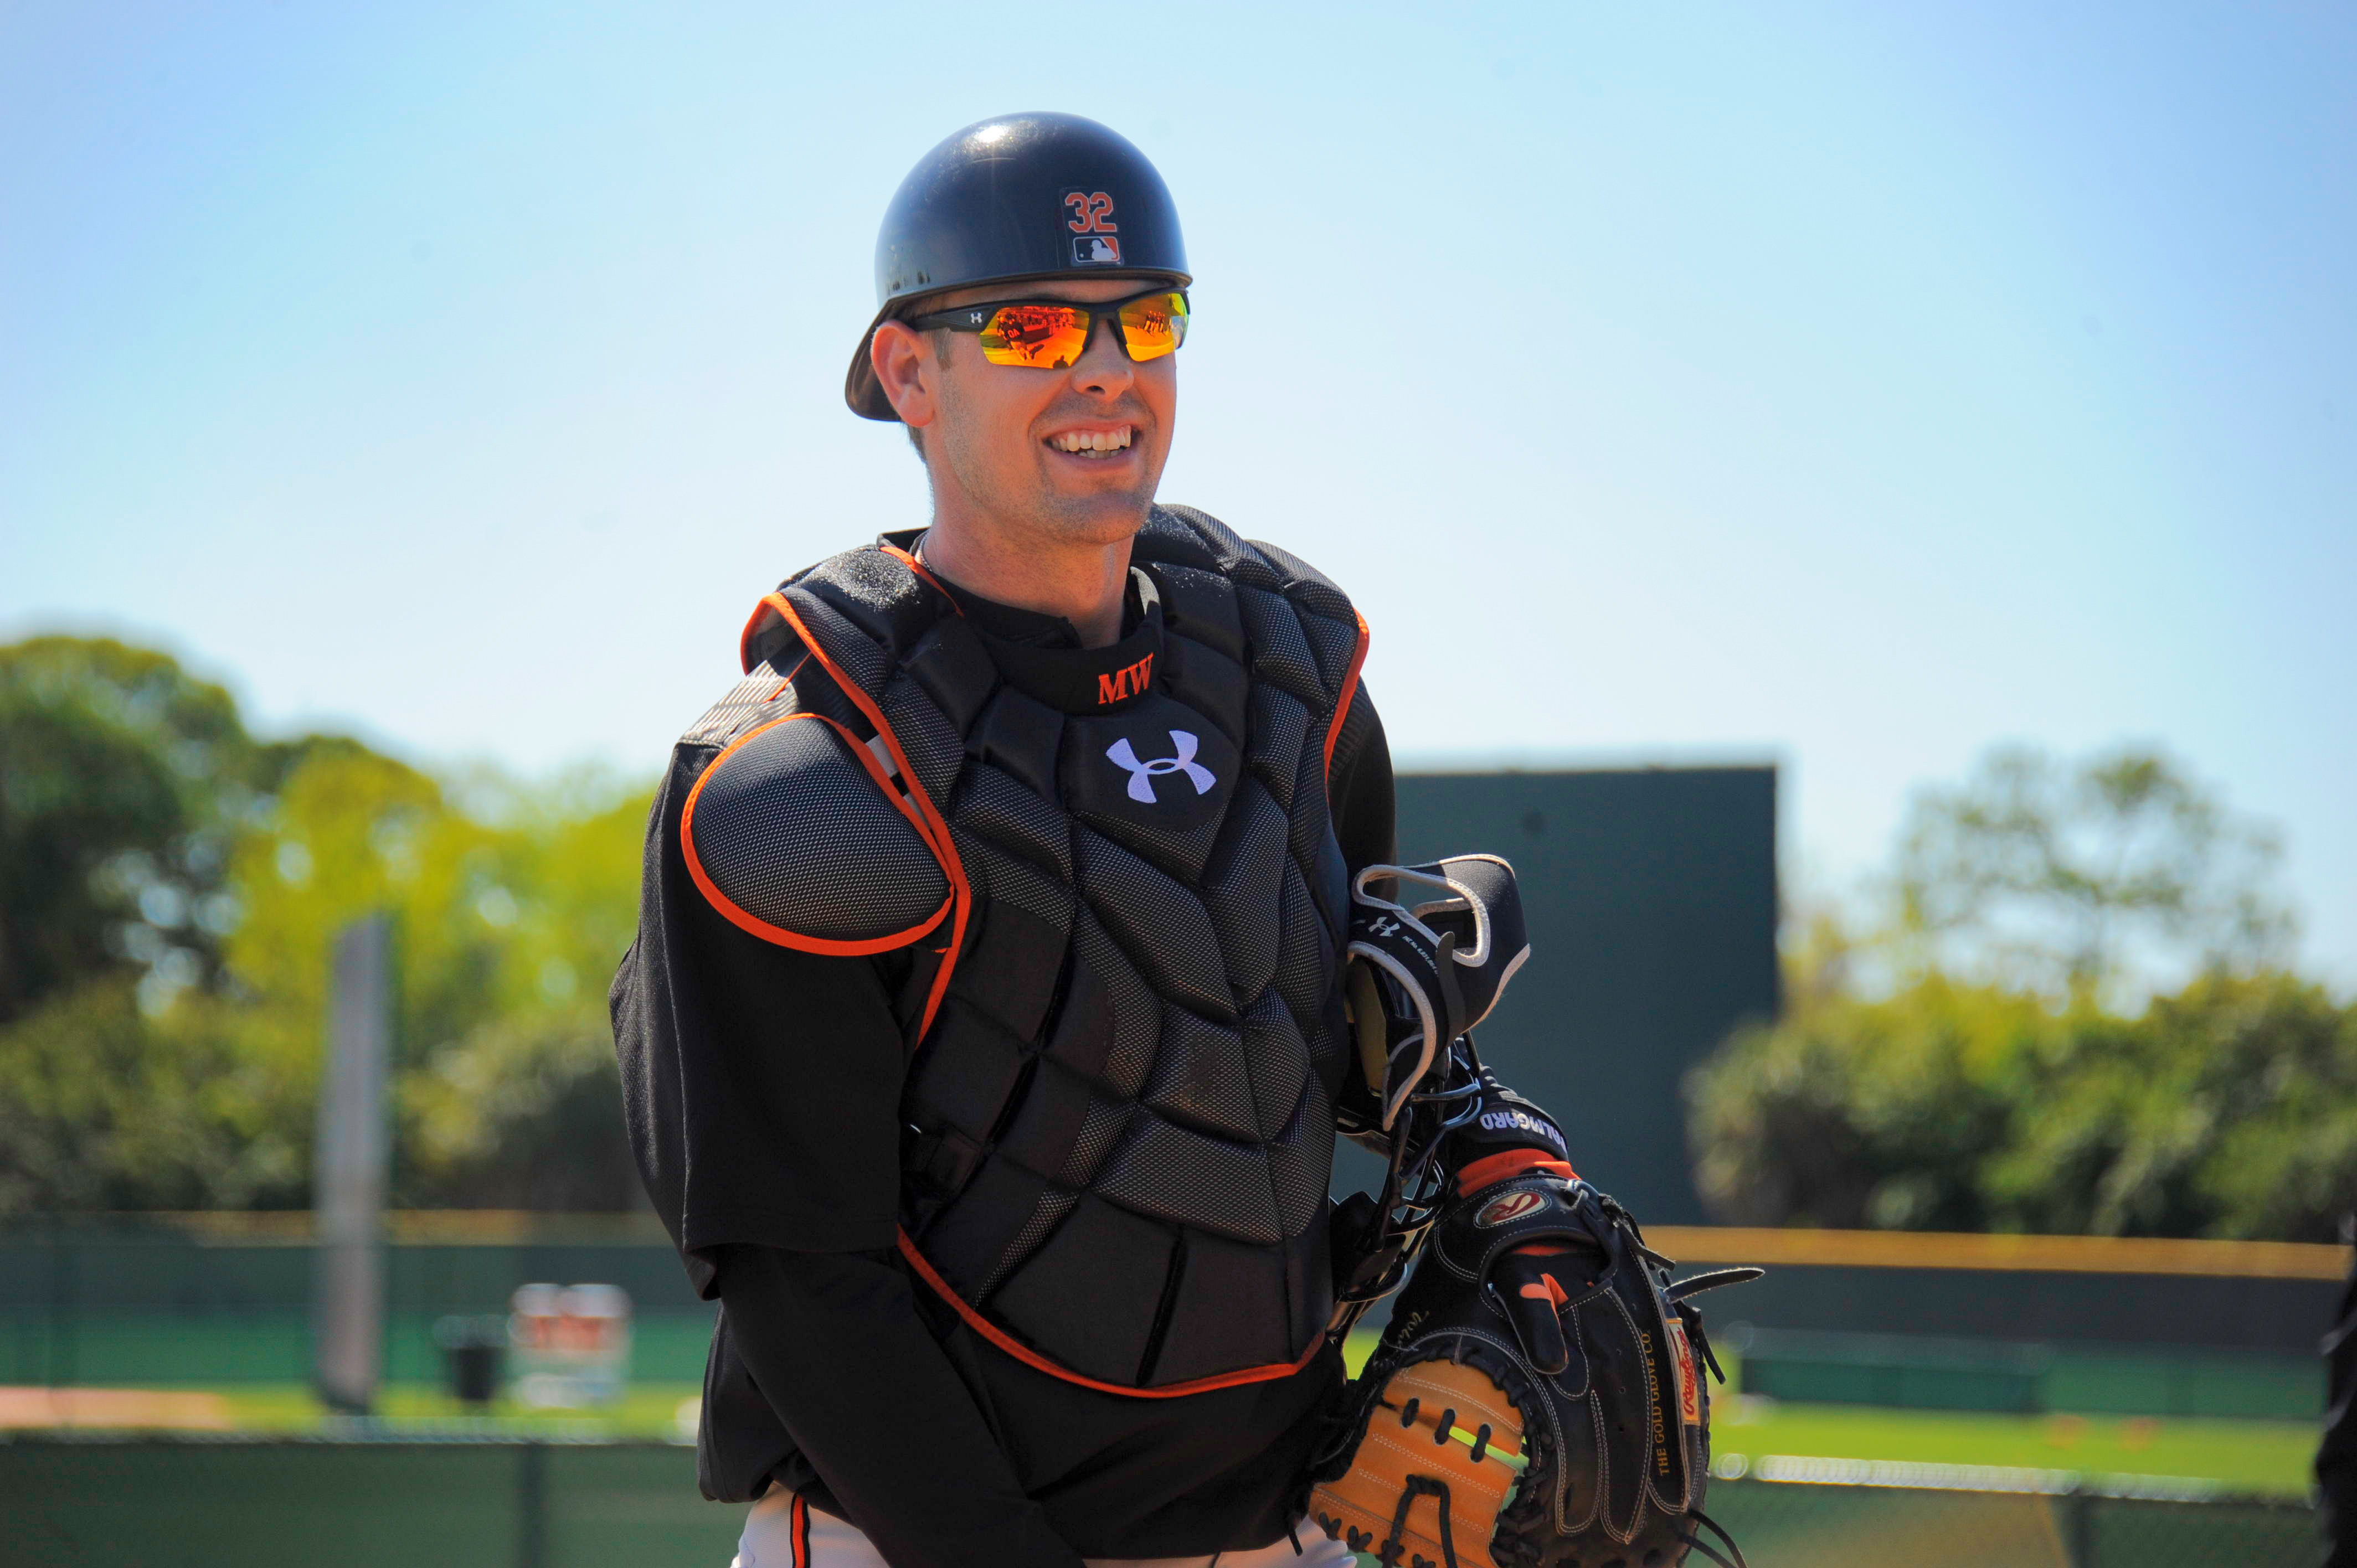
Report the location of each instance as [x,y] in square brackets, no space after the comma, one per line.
[1032,1359]
[931,824]
[743,918]
[1350,690]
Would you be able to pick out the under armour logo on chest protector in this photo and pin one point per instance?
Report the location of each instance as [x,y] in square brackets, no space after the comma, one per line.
[1143,774]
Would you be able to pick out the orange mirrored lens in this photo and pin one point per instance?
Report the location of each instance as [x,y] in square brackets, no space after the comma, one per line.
[1154,325]
[1043,337]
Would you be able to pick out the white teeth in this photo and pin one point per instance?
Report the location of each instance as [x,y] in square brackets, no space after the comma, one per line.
[1091,440]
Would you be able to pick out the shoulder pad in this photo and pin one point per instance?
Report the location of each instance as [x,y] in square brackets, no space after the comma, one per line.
[762,696]
[796,836]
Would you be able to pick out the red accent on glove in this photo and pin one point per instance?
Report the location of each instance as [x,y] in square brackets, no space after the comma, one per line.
[1491,1169]
[1547,1289]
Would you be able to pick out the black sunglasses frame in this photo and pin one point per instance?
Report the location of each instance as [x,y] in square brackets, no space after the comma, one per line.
[975,316]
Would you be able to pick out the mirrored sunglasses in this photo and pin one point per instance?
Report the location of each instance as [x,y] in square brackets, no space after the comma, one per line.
[1052,334]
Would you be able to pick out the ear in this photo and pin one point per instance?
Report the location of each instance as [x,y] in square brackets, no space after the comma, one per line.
[907,370]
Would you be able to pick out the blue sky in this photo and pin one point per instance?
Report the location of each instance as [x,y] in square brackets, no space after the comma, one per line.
[1851,386]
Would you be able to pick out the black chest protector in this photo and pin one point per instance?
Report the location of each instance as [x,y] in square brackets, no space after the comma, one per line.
[1126,925]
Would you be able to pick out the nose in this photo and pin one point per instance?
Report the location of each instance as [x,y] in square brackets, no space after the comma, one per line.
[1105,369]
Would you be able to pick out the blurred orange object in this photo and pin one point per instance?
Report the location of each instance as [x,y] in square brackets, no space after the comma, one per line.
[2065,1431]
[146,1409]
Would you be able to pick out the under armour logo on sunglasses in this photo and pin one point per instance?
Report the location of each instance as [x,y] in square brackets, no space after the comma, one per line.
[1143,774]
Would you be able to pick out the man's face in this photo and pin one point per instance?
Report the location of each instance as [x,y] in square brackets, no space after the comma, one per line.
[1077,453]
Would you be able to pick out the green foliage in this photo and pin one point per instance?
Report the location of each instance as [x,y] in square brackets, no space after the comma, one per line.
[2024,1097]
[2070,880]
[120,778]
[99,1109]
[1853,1113]
[2228,1109]
[152,825]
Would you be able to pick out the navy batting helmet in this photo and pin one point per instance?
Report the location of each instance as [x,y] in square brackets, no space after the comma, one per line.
[1017,197]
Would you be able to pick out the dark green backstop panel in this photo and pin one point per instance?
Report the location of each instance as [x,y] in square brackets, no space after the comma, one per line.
[185,1505]
[377,1505]
[633,1507]
[1651,898]
[125,1265]
[2226,1314]
[127,1302]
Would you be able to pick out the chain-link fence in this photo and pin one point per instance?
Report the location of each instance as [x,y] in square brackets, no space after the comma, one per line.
[257,1504]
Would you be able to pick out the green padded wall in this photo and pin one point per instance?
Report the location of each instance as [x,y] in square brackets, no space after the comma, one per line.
[1653,906]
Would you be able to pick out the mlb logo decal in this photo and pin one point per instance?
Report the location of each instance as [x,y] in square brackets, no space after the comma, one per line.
[1095,232]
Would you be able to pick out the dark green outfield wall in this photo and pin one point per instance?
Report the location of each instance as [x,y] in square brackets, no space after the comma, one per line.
[129,1266]
[1652,899]
[126,1303]
[121,1305]
[2281,1316]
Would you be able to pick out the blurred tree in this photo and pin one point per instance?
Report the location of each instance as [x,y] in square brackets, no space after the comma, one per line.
[507,924]
[2119,870]
[122,777]
[168,892]
[1853,1113]
[100,1108]
[2229,1109]
[2026,1098]
[523,1109]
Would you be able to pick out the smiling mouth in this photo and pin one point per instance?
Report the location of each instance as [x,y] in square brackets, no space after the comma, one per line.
[1093,444]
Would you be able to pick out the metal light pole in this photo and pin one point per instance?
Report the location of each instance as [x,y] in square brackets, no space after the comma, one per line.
[350,1163]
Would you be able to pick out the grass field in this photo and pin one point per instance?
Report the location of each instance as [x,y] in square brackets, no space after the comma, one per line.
[647,1410]
[2269,1456]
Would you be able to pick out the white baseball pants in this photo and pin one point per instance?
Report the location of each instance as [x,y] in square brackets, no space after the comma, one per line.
[783,1531]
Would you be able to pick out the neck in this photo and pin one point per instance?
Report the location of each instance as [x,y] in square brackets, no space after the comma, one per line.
[1083,581]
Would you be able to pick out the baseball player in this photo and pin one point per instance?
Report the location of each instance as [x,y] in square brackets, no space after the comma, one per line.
[986,1041]
[2336,1457]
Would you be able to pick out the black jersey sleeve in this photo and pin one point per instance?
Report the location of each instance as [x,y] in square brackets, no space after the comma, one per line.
[760,1083]
[875,1414]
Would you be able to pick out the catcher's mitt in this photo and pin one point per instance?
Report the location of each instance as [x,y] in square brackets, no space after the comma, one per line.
[1536,1402]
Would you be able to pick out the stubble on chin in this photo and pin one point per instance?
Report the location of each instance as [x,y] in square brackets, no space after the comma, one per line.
[1021,498]
[1105,518]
